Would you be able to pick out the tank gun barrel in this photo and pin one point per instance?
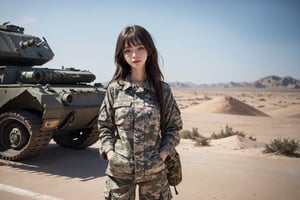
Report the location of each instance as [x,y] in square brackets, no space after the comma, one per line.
[27,43]
[56,76]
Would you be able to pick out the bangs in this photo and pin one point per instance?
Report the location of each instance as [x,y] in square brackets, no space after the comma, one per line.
[132,39]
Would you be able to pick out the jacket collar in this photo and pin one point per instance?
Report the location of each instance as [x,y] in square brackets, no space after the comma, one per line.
[127,83]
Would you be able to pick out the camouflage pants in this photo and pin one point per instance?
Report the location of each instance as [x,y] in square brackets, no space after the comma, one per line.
[123,189]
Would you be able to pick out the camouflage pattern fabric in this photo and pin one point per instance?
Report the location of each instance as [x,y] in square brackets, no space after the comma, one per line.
[129,124]
[125,189]
[174,171]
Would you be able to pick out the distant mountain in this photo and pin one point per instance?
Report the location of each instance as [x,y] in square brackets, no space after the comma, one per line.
[182,84]
[277,82]
[266,82]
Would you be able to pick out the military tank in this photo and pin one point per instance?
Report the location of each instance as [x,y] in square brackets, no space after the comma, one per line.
[39,104]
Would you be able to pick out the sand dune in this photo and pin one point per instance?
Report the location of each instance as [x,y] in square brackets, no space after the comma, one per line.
[236,143]
[226,105]
[228,143]
[290,111]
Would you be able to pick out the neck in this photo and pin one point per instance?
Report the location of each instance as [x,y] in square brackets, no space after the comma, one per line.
[138,77]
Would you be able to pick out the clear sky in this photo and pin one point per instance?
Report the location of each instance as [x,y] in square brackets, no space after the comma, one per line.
[200,41]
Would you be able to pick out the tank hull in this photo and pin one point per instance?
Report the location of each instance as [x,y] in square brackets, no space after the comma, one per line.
[68,114]
[73,106]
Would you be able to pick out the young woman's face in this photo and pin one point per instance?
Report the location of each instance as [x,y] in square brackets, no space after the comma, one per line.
[135,56]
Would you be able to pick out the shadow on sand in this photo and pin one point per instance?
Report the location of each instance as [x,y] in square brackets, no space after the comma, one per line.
[54,160]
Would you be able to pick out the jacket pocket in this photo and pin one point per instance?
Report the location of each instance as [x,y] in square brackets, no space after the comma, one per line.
[120,165]
[123,113]
[155,165]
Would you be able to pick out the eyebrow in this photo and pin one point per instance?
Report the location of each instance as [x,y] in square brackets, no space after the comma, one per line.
[126,47]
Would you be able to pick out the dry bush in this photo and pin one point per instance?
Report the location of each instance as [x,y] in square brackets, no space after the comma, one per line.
[285,146]
[226,133]
[204,141]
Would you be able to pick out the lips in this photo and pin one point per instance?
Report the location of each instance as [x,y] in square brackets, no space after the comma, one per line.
[136,61]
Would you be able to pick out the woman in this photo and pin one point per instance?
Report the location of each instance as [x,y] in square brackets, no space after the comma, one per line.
[138,106]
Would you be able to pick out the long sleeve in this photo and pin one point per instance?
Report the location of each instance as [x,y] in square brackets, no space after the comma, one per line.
[106,125]
[173,123]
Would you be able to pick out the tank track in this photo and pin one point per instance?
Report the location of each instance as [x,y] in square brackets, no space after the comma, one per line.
[80,141]
[37,141]
[92,137]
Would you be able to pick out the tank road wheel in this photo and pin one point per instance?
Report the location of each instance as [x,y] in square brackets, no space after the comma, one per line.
[78,139]
[20,135]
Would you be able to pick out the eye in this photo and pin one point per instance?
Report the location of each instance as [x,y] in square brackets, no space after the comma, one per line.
[126,51]
[141,48]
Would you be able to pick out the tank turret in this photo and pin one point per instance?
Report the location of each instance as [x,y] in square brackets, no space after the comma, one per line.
[39,104]
[19,49]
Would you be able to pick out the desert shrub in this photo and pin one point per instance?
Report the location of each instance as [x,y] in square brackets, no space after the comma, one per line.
[187,134]
[194,103]
[226,133]
[283,146]
[195,136]
[204,141]
[213,136]
[201,141]
[207,98]
[252,138]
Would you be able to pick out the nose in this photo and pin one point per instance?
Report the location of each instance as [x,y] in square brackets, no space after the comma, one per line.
[134,53]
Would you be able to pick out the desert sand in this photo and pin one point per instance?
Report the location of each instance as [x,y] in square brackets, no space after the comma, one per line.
[241,170]
[265,114]
[232,168]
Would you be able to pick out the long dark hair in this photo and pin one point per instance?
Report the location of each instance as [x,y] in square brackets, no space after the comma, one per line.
[135,35]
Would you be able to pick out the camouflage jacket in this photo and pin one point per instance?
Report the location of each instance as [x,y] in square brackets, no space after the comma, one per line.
[129,124]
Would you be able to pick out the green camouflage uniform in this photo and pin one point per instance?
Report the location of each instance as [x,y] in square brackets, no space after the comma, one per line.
[129,124]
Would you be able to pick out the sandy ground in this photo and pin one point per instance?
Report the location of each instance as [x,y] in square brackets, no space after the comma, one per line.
[232,168]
